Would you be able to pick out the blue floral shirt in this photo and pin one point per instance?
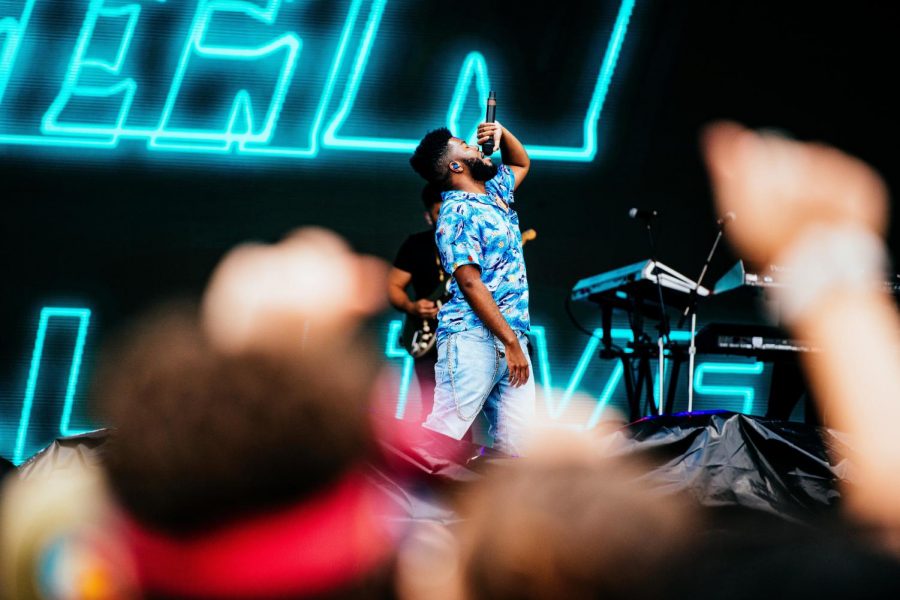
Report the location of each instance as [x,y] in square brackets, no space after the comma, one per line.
[473,230]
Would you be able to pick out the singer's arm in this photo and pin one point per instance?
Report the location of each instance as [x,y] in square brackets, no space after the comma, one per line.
[468,277]
[514,155]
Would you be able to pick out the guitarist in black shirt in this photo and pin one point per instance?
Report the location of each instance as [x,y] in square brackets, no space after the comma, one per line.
[417,264]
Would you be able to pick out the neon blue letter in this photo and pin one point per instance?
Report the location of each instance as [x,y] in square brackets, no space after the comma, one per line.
[12,31]
[82,66]
[84,316]
[241,126]
[747,393]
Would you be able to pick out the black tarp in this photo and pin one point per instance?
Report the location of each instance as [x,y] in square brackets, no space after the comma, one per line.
[726,459]
[720,459]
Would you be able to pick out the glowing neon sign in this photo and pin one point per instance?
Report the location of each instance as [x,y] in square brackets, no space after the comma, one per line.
[83,315]
[555,408]
[104,96]
[746,393]
[393,350]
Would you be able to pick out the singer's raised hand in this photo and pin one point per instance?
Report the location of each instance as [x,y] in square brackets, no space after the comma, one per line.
[514,155]
[488,130]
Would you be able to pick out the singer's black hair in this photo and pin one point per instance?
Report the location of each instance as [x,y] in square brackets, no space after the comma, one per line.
[427,160]
[431,195]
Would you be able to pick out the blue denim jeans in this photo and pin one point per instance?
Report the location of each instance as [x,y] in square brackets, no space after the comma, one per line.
[471,375]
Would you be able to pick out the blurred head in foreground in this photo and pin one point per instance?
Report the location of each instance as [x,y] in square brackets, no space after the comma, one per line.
[57,539]
[563,523]
[241,434]
[242,472]
[240,431]
[202,437]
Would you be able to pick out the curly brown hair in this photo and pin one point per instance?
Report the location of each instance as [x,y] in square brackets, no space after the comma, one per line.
[200,437]
[578,528]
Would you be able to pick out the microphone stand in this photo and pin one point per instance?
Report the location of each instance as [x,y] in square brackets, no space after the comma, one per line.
[691,309]
[663,338]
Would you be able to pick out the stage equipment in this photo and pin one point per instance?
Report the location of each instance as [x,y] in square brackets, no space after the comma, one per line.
[739,277]
[643,290]
[641,213]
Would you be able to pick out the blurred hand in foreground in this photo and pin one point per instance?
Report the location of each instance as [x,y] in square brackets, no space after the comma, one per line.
[777,187]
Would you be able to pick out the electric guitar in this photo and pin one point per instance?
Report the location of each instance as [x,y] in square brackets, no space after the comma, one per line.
[419,335]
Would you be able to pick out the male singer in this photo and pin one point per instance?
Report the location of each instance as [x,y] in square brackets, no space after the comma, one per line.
[482,354]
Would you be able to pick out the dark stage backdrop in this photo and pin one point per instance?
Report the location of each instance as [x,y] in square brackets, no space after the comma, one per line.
[142,139]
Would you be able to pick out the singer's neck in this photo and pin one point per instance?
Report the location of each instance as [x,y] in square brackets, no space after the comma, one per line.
[472,186]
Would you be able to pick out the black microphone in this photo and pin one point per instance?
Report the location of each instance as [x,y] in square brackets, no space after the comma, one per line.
[641,213]
[488,146]
[728,217]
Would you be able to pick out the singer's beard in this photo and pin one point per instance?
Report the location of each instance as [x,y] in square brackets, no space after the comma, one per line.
[480,170]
